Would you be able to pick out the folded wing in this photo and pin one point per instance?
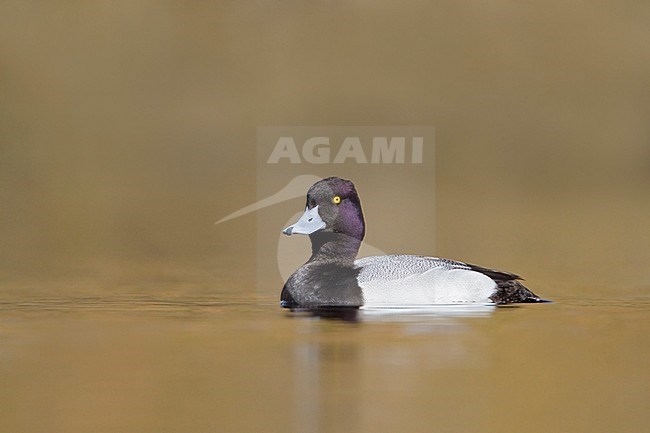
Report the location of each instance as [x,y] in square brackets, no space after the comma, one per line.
[419,280]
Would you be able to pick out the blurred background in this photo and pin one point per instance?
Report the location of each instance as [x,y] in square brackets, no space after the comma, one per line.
[128,128]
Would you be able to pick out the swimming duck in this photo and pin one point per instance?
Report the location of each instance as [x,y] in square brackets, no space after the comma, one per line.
[332,277]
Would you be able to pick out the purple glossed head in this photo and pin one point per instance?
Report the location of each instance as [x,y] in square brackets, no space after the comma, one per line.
[338,206]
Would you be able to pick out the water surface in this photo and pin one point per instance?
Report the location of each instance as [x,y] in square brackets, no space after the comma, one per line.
[231,363]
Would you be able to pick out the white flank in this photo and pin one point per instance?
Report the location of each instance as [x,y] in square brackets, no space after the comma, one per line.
[414,280]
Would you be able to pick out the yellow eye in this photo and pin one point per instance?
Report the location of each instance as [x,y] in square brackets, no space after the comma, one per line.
[336,199]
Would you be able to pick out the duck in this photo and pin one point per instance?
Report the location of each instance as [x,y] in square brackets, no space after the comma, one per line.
[334,277]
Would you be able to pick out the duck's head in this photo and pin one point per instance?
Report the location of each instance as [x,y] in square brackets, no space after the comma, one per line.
[333,206]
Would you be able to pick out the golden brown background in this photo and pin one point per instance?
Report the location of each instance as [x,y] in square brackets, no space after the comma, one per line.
[128,127]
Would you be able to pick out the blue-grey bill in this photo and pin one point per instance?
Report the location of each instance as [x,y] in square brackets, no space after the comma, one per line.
[308,223]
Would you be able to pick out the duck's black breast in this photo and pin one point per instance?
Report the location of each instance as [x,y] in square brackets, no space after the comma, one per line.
[320,284]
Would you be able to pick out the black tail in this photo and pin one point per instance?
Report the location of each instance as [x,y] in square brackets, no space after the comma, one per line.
[512,291]
[509,289]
